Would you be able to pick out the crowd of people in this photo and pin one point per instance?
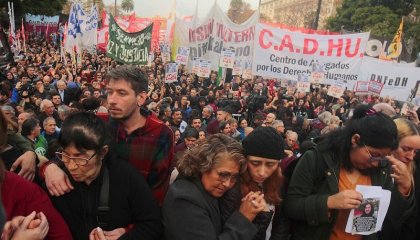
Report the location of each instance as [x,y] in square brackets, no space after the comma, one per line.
[98,150]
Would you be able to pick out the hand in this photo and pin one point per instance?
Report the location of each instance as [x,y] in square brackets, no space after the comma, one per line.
[252,204]
[347,199]
[18,85]
[114,234]
[10,226]
[414,116]
[24,231]
[97,234]
[27,162]
[401,175]
[57,181]
[289,153]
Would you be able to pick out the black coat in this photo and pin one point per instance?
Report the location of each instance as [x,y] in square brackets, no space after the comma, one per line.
[191,213]
[130,201]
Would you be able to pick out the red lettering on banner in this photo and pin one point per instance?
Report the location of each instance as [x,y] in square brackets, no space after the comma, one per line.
[356,48]
[286,43]
[201,33]
[227,35]
[332,46]
[261,38]
[306,48]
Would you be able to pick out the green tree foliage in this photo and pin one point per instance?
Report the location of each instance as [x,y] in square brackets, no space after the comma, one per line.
[380,17]
[239,11]
[127,5]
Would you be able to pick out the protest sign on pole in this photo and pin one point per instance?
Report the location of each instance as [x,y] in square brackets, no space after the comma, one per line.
[171,72]
[247,73]
[182,55]
[280,53]
[337,89]
[129,48]
[303,84]
[204,68]
[375,87]
[361,87]
[195,65]
[227,58]
[165,52]
[237,68]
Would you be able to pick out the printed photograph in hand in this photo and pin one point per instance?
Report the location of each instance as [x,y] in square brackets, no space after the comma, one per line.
[365,217]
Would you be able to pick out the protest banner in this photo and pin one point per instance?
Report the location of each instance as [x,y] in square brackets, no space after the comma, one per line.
[215,33]
[375,87]
[398,80]
[337,89]
[280,53]
[35,23]
[182,55]
[129,48]
[195,65]
[361,87]
[303,84]
[247,73]
[237,68]
[227,58]
[204,68]
[171,72]
[165,52]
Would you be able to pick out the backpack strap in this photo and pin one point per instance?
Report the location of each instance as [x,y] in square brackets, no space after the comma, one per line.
[103,206]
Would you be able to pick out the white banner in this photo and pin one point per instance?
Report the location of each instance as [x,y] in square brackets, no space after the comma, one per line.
[82,29]
[398,79]
[171,72]
[204,68]
[227,58]
[182,55]
[214,34]
[41,20]
[280,53]
[237,68]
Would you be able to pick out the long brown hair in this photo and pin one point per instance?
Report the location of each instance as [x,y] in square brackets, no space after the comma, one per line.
[271,186]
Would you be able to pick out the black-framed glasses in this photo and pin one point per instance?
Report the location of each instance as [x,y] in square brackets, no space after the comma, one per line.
[79,161]
[225,176]
[373,158]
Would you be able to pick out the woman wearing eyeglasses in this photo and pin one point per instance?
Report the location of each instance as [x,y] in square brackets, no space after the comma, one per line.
[322,192]
[108,193]
[191,206]
[264,148]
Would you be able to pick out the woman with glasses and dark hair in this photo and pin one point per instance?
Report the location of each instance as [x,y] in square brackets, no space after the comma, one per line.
[191,207]
[264,148]
[110,198]
[322,192]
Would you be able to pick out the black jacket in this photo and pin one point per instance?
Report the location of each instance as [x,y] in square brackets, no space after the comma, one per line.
[130,202]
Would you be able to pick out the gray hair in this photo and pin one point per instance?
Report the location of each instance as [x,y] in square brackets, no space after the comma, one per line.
[42,105]
[63,111]
[8,108]
[209,109]
[276,123]
[210,153]
[44,123]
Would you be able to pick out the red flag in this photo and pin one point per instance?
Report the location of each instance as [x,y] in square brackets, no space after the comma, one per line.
[23,36]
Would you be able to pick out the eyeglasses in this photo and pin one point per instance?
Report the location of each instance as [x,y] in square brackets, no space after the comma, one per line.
[79,161]
[373,158]
[225,176]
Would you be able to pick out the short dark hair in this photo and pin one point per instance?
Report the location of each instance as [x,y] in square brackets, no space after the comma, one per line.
[130,74]
[28,125]
[191,132]
[84,130]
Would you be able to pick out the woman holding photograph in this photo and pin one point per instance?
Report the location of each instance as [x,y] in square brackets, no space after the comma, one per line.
[322,192]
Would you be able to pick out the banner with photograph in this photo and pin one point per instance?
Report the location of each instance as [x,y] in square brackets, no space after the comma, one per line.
[398,79]
[280,53]
[237,68]
[337,89]
[227,58]
[182,55]
[171,72]
[215,33]
[204,68]
[129,48]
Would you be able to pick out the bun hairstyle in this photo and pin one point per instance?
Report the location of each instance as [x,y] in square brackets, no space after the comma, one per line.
[375,129]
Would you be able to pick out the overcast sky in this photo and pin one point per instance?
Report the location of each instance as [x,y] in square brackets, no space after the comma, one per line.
[149,8]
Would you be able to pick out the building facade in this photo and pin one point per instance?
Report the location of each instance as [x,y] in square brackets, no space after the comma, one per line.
[298,13]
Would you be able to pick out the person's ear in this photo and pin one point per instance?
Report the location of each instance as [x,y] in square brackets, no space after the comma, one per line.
[355,140]
[104,151]
[141,98]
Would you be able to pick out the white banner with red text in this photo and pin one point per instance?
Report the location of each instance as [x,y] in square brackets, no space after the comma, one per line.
[281,53]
